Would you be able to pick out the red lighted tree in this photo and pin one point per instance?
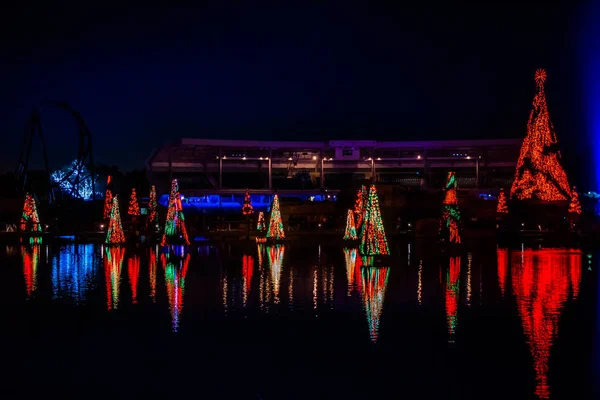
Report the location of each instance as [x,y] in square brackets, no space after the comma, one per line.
[115,234]
[30,220]
[175,231]
[372,235]
[247,208]
[350,233]
[107,199]
[359,206]
[450,222]
[275,230]
[539,173]
[134,207]
[501,208]
[152,205]
[260,225]
[574,206]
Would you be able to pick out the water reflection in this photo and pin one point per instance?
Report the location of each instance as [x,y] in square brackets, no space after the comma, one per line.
[152,272]
[73,272]
[374,285]
[541,280]
[31,259]
[502,257]
[113,264]
[270,278]
[451,296]
[175,272]
[247,272]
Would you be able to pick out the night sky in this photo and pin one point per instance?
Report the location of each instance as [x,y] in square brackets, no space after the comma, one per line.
[142,77]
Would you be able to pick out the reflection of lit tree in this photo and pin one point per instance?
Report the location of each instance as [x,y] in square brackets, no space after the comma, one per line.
[73,272]
[450,222]
[270,278]
[350,258]
[113,264]
[451,295]
[247,271]
[31,259]
[502,257]
[374,286]
[175,273]
[153,273]
[275,257]
[133,270]
[541,280]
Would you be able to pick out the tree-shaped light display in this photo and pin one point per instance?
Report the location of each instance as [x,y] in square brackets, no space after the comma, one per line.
[374,286]
[450,222]
[247,208]
[574,206]
[539,173]
[134,207]
[260,225]
[359,206]
[152,205]
[30,220]
[275,230]
[372,234]
[115,234]
[175,231]
[350,228]
[501,208]
[175,272]
[107,199]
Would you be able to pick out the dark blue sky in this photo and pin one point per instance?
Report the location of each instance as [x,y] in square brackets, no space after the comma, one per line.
[141,77]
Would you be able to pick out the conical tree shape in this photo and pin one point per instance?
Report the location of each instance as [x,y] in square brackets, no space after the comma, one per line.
[574,206]
[372,235]
[152,205]
[501,208]
[539,173]
[275,230]
[175,230]
[134,207]
[247,208]
[359,206]
[115,234]
[260,225]
[107,199]
[450,221]
[30,220]
[350,228]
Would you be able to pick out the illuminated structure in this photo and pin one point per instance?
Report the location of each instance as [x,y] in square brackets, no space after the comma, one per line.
[275,230]
[113,265]
[31,260]
[372,235]
[450,222]
[175,230]
[133,271]
[359,206]
[247,272]
[452,292]
[574,206]
[247,208]
[77,181]
[539,174]
[134,207]
[175,272]
[542,281]
[114,234]
[350,233]
[260,225]
[152,213]
[374,286]
[30,220]
[501,208]
[107,198]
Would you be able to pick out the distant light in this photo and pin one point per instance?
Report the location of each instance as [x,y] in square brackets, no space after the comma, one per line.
[260,158]
[468,157]
[243,158]
[182,197]
[522,224]
[101,226]
[217,157]
[266,158]
[224,157]
[290,159]
[418,157]
[409,224]
[369,159]
[314,157]
[330,158]
[378,158]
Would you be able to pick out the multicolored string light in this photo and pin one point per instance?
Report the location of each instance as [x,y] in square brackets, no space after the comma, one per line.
[175,230]
[275,230]
[113,264]
[260,225]
[107,198]
[373,240]
[350,233]
[450,221]
[115,234]
[374,286]
[175,282]
[539,173]
[152,205]
[30,220]
[359,206]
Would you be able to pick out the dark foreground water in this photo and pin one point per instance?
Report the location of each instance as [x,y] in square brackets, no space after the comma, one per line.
[298,322]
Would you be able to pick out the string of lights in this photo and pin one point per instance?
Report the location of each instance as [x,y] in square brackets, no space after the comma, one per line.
[175,230]
[372,236]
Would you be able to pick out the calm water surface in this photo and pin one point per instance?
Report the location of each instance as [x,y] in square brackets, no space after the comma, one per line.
[298,321]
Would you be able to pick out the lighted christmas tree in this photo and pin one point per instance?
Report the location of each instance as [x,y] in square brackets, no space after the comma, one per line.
[350,228]
[501,208]
[152,205]
[372,234]
[134,207]
[450,222]
[175,231]
[30,220]
[275,230]
[539,173]
[247,208]
[359,206]
[574,206]
[260,225]
[115,234]
[107,199]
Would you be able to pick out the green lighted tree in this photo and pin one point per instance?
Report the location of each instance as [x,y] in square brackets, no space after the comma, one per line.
[275,230]
[175,231]
[372,235]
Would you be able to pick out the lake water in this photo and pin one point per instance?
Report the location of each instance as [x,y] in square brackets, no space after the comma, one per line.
[298,321]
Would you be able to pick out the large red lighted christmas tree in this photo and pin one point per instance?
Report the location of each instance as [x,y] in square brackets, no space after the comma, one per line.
[539,173]
[30,220]
[107,199]
[115,234]
[134,207]
[175,231]
[372,235]
[275,230]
